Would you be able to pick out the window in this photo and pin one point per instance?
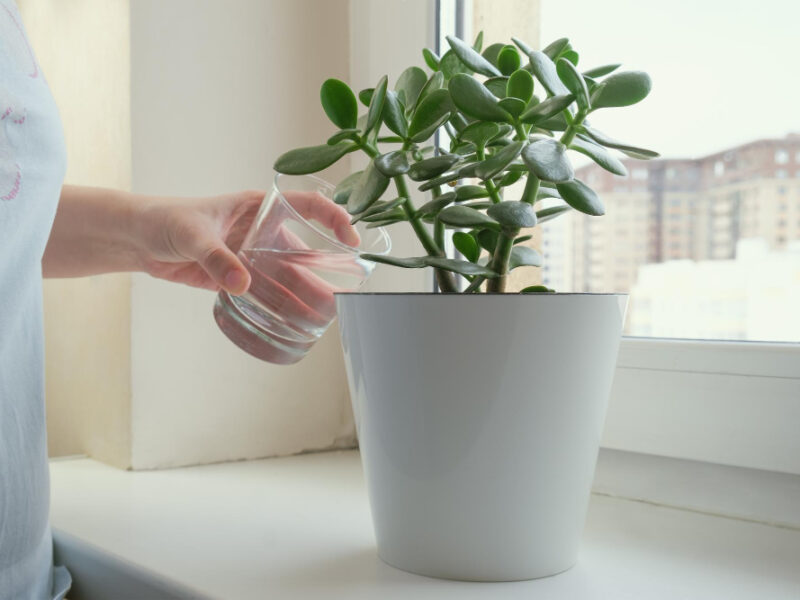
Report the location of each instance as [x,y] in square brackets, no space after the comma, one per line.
[781,157]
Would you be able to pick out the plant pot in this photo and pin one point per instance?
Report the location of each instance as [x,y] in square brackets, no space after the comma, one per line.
[479,419]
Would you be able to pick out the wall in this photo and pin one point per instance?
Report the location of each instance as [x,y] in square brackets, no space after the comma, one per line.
[217,95]
[87,321]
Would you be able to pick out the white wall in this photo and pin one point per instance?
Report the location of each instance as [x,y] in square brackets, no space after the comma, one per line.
[219,90]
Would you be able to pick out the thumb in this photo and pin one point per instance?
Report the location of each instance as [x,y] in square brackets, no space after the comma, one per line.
[224,267]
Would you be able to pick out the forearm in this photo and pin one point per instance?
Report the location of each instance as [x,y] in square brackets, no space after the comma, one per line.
[93,233]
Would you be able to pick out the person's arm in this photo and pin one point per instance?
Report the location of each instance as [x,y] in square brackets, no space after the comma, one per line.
[186,240]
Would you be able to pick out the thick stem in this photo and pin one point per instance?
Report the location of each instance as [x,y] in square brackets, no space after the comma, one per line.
[521,135]
[572,130]
[476,283]
[500,261]
[531,189]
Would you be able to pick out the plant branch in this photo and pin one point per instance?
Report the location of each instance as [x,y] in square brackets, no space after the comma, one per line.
[572,130]
[502,253]
[531,189]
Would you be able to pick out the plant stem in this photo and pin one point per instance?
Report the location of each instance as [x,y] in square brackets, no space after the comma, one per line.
[572,130]
[500,261]
[521,135]
[438,226]
[531,189]
[476,283]
[494,194]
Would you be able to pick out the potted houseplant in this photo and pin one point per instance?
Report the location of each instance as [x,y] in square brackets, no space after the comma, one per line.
[479,413]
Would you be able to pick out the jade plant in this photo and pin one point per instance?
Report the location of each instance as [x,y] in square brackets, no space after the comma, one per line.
[510,114]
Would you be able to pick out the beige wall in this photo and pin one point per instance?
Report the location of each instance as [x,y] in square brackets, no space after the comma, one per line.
[83,47]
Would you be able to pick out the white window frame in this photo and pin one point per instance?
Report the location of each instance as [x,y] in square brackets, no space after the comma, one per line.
[734,403]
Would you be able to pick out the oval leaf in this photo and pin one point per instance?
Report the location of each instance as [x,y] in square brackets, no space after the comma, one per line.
[311,159]
[406,263]
[537,289]
[433,110]
[479,133]
[545,71]
[488,239]
[368,189]
[548,214]
[493,52]
[410,84]
[470,192]
[523,256]
[601,71]
[513,106]
[392,164]
[430,59]
[554,49]
[471,58]
[467,246]
[461,216]
[432,167]
[473,99]
[393,114]
[513,214]
[342,191]
[520,85]
[632,151]
[599,155]
[498,86]
[451,65]
[547,159]
[344,134]
[376,105]
[508,60]
[339,103]
[622,89]
[581,197]
[435,82]
[365,96]
[574,81]
[459,266]
[499,161]
[434,206]
[546,109]
[378,208]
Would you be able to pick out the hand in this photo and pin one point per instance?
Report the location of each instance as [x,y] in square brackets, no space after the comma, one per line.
[195,241]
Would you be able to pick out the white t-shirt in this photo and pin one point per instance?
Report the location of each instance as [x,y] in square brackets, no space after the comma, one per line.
[32,165]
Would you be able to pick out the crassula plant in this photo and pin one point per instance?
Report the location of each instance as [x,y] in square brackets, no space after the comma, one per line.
[510,114]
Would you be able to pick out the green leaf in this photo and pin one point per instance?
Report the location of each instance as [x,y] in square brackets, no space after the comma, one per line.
[393,163]
[526,50]
[513,106]
[461,216]
[581,197]
[378,208]
[369,188]
[497,85]
[574,81]
[434,206]
[339,103]
[441,180]
[461,267]
[548,214]
[487,239]
[622,89]
[478,205]
[386,223]
[520,85]
[394,214]
[433,110]
[545,71]
[499,161]
[546,109]
[571,56]
[523,256]
[554,49]
[547,159]
[432,167]
[430,59]
[478,43]
[342,191]
[632,151]
[365,96]
[470,192]
[390,139]
[512,214]
[474,100]
[555,123]
[451,65]
[509,178]
[472,59]
[376,105]
[466,244]
[493,52]
[508,60]
[406,263]
[410,83]
[522,238]
[344,134]
[601,71]
[599,155]
[435,82]
[537,289]
[479,133]
[393,114]
[311,159]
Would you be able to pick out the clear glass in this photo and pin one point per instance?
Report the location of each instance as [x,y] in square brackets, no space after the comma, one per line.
[297,262]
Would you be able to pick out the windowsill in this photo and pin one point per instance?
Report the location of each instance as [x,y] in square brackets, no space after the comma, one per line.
[299,527]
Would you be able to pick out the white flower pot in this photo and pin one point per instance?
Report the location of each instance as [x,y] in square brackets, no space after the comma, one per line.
[479,419]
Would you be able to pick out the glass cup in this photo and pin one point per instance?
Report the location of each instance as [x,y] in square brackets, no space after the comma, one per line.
[300,250]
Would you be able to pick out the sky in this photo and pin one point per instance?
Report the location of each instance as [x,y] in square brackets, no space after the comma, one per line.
[724,72]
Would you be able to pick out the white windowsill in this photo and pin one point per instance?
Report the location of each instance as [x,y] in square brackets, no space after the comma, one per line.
[299,528]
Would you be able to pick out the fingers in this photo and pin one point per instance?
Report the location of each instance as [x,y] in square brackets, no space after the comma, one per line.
[315,206]
[222,265]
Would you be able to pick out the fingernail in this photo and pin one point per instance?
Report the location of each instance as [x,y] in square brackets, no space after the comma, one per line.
[235,280]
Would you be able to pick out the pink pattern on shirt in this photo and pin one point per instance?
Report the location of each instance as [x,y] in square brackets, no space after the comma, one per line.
[10,172]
